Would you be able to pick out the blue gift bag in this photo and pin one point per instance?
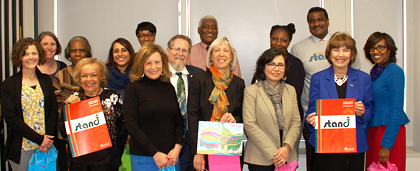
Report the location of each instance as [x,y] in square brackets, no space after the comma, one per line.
[170,168]
[41,161]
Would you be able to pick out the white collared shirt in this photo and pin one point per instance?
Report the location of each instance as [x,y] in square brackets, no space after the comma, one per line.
[174,80]
[326,38]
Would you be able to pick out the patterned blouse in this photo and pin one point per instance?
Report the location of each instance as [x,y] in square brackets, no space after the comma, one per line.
[33,112]
[112,106]
[64,86]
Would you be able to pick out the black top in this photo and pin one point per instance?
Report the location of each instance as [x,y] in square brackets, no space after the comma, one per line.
[295,78]
[112,107]
[60,66]
[200,109]
[11,109]
[341,90]
[152,117]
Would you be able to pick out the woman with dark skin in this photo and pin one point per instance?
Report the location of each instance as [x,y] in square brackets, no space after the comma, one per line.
[386,134]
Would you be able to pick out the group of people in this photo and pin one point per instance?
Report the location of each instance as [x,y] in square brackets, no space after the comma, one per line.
[153,100]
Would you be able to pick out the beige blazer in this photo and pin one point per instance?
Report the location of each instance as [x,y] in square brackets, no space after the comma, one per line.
[260,123]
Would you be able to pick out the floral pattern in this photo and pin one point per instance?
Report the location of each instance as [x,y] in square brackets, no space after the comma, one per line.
[33,112]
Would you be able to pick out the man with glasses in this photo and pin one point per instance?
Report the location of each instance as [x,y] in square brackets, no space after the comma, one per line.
[146,33]
[208,30]
[311,52]
[178,52]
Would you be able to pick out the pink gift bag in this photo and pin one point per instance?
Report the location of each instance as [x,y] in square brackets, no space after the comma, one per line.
[378,167]
[291,166]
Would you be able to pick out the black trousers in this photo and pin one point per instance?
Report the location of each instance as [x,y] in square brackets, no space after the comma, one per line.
[252,167]
[338,161]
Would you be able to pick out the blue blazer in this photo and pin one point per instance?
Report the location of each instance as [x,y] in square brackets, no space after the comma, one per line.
[358,87]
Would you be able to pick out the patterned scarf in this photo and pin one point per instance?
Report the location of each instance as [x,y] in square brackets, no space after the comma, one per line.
[276,94]
[218,96]
[376,70]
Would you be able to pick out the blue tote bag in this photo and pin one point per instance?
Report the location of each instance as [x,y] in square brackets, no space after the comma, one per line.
[41,161]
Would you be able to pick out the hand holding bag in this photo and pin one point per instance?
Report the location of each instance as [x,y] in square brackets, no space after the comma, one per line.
[41,161]
[378,167]
[291,166]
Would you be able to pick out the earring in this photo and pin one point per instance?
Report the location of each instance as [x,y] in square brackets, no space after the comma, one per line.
[142,75]
[161,74]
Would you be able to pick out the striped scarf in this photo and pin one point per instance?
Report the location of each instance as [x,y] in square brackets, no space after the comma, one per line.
[218,96]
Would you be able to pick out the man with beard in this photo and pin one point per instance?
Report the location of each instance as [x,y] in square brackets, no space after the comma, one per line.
[178,52]
[311,52]
[208,30]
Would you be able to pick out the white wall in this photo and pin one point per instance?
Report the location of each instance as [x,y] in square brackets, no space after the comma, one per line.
[103,21]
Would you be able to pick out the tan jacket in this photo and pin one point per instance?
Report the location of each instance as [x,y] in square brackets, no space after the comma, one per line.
[260,123]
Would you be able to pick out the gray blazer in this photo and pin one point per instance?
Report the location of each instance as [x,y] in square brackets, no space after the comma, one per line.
[260,123]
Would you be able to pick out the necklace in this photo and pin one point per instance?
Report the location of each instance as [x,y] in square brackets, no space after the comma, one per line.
[341,81]
[85,96]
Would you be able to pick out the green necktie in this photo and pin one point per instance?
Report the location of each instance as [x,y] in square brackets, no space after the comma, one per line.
[180,89]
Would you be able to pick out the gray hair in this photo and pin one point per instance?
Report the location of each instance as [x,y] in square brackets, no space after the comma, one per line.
[81,38]
[206,17]
[217,42]
[180,36]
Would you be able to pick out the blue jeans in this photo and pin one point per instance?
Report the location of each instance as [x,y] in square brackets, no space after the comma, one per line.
[142,163]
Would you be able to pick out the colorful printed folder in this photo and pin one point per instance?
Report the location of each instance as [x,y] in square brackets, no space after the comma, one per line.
[86,127]
[220,138]
[335,131]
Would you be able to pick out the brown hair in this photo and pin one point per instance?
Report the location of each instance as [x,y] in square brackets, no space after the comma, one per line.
[48,33]
[19,50]
[137,71]
[338,40]
[127,45]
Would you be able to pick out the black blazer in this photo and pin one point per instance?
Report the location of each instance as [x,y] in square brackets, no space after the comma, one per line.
[200,109]
[12,112]
[191,71]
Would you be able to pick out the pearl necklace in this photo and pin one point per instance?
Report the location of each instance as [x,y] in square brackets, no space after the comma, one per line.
[341,81]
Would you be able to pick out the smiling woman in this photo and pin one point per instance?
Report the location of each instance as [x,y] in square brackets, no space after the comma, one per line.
[120,59]
[28,105]
[52,47]
[206,97]
[152,113]
[91,74]
[271,114]
[337,82]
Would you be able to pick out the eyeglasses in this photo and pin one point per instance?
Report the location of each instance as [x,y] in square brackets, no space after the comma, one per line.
[150,35]
[272,65]
[379,48]
[177,50]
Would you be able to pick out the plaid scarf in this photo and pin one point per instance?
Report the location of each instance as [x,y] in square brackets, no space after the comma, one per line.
[218,96]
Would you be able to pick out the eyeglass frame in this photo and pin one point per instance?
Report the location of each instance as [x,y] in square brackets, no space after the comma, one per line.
[177,50]
[372,49]
[273,65]
[143,36]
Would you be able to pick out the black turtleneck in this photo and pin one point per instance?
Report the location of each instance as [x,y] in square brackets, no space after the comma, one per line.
[152,117]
